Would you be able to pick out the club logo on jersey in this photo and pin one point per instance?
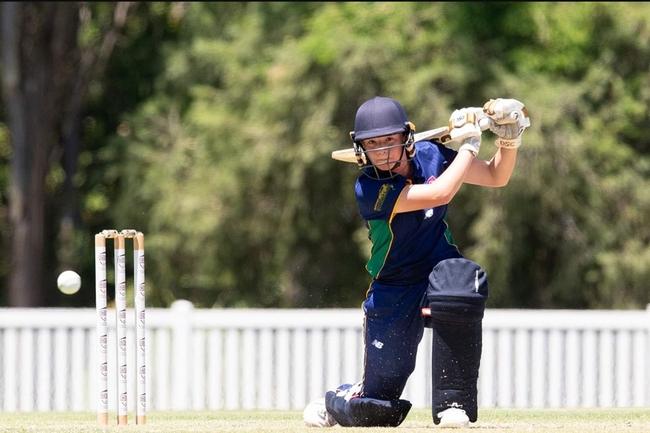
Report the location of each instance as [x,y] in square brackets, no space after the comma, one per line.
[429,212]
[381,198]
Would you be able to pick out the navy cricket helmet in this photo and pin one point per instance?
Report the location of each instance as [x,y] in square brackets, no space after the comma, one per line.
[378,117]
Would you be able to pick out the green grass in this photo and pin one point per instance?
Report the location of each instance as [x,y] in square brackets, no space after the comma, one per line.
[490,420]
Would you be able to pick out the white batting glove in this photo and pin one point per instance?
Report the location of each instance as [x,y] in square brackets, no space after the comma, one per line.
[504,111]
[508,136]
[510,120]
[464,127]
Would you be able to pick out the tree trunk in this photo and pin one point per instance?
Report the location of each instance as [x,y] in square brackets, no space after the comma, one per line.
[45,81]
[38,43]
[92,62]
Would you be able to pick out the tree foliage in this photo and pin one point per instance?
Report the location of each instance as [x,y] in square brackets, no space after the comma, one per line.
[212,129]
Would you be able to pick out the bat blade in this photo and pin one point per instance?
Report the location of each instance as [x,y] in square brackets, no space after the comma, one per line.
[440,134]
[345,155]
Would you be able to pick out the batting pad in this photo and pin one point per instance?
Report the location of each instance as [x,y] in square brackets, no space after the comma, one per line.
[365,412]
[453,308]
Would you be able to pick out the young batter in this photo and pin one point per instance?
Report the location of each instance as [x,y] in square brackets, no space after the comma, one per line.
[402,193]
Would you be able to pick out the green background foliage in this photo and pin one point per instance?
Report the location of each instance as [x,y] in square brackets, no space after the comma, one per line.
[212,128]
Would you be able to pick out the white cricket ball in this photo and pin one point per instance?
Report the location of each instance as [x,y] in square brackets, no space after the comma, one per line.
[69,282]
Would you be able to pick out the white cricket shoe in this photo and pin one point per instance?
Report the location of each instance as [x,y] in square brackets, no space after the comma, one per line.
[316,415]
[453,417]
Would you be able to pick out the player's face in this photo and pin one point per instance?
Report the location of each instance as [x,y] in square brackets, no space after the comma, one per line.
[385,152]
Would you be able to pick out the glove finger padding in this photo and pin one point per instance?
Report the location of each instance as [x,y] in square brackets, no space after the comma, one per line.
[462,117]
[510,120]
[508,136]
[504,111]
[464,127]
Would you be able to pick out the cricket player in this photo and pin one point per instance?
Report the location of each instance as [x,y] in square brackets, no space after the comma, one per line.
[419,277]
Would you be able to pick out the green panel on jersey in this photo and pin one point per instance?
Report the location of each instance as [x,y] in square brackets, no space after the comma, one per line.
[382,238]
[448,235]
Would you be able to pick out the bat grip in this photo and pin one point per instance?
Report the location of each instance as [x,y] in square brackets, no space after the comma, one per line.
[484,123]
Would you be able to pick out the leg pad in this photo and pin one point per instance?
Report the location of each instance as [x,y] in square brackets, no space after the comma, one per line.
[355,411]
[453,308]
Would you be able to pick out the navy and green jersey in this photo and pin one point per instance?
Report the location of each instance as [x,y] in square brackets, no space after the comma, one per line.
[406,246]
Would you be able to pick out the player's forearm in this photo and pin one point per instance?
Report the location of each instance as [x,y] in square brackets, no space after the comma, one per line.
[452,178]
[441,191]
[494,173]
[502,166]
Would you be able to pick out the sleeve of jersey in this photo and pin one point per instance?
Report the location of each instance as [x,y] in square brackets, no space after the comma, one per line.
[449,154]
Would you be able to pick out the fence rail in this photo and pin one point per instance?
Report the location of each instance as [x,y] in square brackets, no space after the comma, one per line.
[280,359]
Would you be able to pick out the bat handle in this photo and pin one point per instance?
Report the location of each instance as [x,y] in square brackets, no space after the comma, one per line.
[484,123]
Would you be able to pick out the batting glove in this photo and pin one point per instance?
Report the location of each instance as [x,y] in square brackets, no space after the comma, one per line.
[510,119]
[464,127]
[508,136]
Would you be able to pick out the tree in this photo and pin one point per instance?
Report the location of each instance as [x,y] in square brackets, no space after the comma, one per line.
[45,77]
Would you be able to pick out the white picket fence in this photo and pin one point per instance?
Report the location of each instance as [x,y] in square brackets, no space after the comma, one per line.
[201,359]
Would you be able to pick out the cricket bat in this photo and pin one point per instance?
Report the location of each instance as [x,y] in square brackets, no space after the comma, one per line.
[441,135]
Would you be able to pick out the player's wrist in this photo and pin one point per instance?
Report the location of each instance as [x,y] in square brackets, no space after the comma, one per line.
[472,145]
[508,143]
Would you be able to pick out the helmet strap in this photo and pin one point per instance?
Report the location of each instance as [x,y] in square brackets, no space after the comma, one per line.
[360,154]
[409,145]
